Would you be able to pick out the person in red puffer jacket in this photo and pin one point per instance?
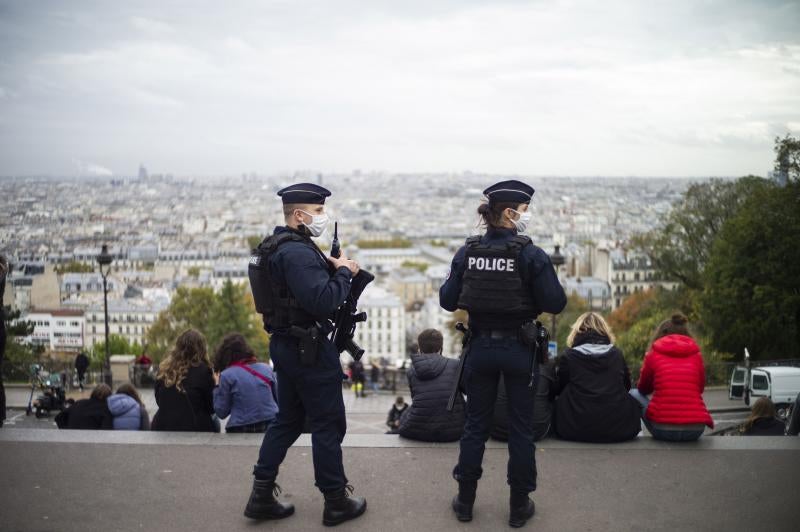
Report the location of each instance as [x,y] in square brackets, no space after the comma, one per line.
[673,373]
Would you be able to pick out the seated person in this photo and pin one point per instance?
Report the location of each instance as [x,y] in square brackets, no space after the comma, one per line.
[393,419]
[246,390]
[674,373]
[592,385]
[431,379]
[88,414]
[542,406]
[762,420]
[128,410]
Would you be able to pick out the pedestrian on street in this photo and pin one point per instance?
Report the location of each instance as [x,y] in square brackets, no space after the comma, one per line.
[297,289]
[504,282]
[81,365]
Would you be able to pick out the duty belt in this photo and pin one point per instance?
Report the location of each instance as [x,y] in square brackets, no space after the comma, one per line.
[496,333]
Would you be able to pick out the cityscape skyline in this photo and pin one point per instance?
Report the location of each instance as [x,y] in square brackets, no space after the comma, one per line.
[566,88]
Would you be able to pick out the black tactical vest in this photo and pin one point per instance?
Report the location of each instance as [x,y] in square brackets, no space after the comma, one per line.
[273,299]
[494,291]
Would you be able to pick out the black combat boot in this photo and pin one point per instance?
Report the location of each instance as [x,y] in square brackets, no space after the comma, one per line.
[264,505]
[341,507]
[522,509]
[462,503]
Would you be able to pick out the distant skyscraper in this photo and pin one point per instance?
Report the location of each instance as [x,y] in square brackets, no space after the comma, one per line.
[142,172]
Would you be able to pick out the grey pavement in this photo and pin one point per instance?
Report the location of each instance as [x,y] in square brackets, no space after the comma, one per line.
[86,480]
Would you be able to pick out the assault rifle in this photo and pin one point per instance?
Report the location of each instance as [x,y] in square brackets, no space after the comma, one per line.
[347,316]
[460,371]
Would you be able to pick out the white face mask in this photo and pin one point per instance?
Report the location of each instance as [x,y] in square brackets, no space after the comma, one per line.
[319,222]
[522,223]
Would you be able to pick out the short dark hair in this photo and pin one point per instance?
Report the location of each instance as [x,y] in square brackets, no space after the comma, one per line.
[101,392]
[233,348]
[430,341]
[289,208]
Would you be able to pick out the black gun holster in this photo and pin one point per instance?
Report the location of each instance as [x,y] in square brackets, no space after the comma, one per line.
[308,341]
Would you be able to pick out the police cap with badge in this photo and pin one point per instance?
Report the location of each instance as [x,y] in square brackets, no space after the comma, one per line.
[492,284]
[307,193]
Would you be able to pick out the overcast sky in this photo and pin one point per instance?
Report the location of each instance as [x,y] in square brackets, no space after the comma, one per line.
[681,87]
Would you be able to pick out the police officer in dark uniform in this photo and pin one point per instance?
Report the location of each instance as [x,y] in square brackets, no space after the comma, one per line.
[504,282]
[297,289]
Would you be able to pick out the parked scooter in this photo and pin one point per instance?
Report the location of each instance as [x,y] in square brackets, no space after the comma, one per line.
[53,396]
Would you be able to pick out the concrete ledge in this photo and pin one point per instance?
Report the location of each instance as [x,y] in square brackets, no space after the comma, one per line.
[384,441]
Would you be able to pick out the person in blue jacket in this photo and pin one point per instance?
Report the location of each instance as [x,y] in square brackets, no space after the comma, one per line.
[246,389]
[297,290]
[128,410]
[504,282]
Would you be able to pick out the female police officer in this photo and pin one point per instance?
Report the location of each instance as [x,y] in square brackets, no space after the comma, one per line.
[504,282]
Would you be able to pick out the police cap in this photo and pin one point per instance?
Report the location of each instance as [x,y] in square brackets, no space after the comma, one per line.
[304,193]
[509,192]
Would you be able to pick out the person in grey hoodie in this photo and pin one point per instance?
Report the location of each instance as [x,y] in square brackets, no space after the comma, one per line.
[431,378]
[592,384]
[128,410]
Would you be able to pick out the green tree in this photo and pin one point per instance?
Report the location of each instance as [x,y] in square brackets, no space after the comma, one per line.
[193,271]
[576,306]
[752,295]
[214,315]
[118,345]
[419,266]
[787,156]
[190,308]
[380,244]
[231,314]
[74,267]
[19,356]
[253,241]
[681,246]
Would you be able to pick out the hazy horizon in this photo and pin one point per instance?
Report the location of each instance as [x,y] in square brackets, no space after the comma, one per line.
[569,88]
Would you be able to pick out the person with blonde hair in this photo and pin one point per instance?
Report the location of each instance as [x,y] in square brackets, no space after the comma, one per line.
[185,386]
[592,385]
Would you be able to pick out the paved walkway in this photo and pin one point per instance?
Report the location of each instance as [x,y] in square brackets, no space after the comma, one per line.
[85,480]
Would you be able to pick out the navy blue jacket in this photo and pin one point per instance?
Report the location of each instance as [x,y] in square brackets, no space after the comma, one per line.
[536,268]
[306,272]
[245,397]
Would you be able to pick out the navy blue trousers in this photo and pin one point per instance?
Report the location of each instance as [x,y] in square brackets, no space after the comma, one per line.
[306,393]
[488,359]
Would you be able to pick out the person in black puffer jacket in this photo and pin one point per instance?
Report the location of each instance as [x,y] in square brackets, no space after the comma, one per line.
[592,384]
[431,378]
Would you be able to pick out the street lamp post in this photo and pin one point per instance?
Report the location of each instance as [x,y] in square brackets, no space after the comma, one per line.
[558,260]
[104,261]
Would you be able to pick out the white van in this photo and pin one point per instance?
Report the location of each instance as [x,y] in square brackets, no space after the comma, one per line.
[780,383]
